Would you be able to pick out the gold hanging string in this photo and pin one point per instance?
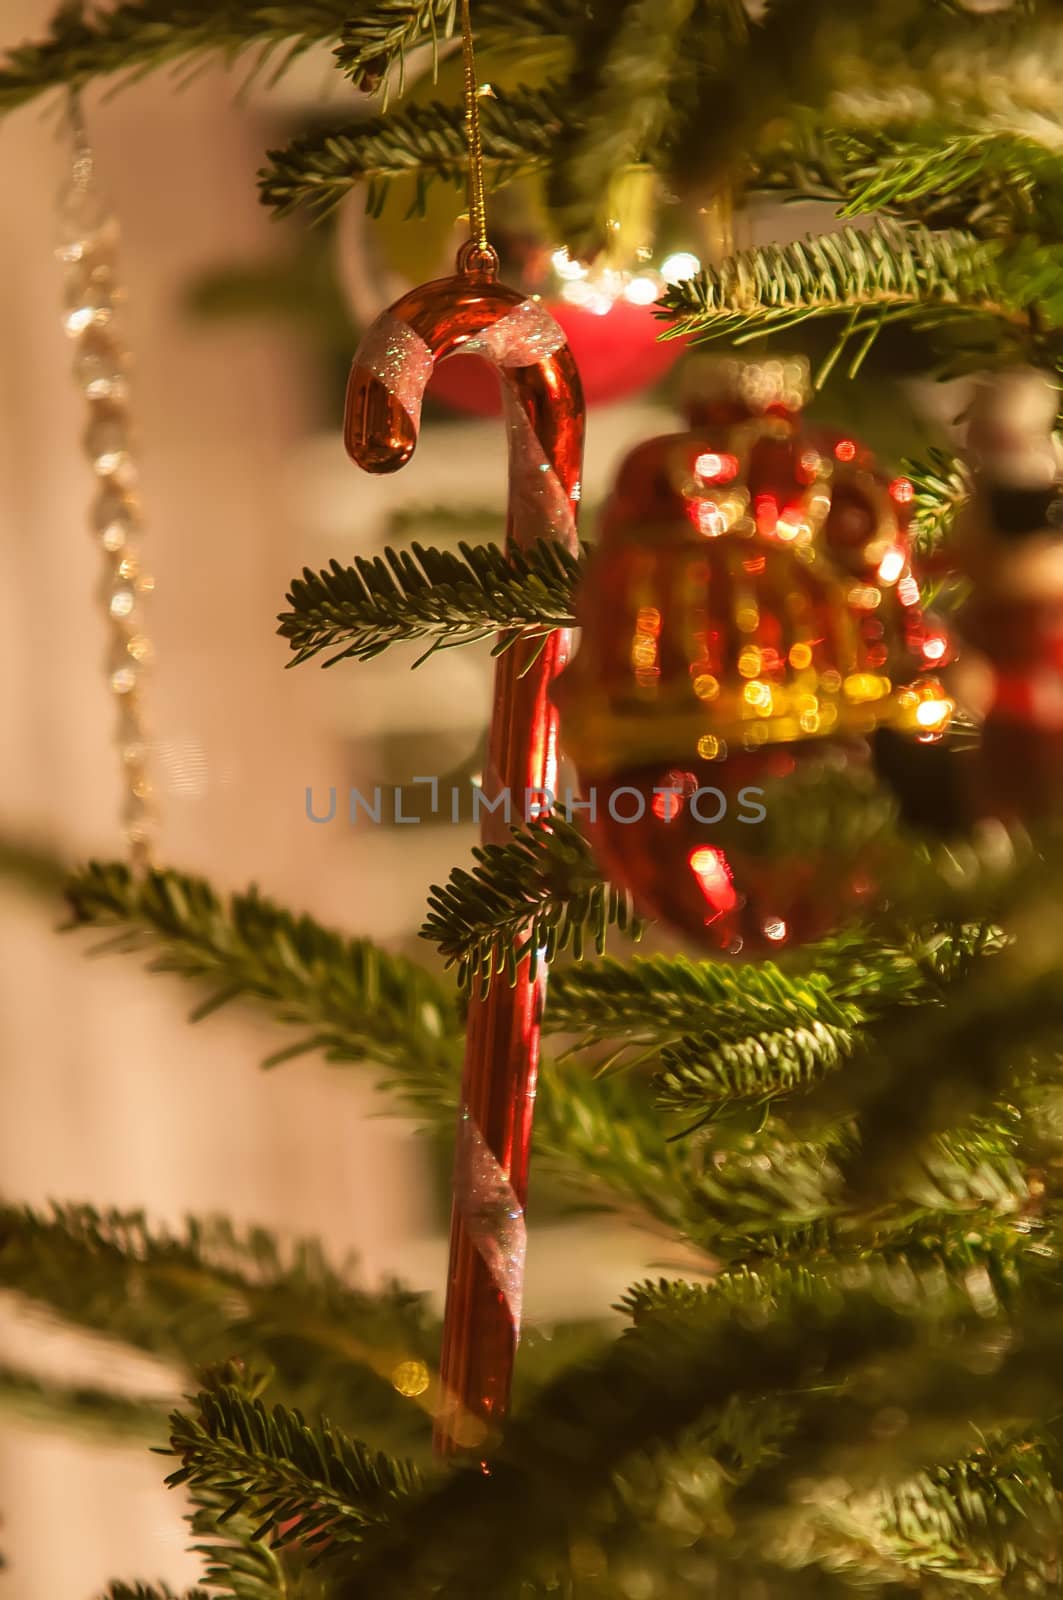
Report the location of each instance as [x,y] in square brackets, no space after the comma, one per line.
[478,253]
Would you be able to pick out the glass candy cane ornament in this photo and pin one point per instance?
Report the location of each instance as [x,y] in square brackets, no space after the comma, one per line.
[473,313]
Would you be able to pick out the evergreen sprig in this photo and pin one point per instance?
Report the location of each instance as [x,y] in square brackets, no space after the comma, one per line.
[928,1069]
[602,1137]
[535,897]
[665,1002]
[138,36]
[989,180]
[206,1293]
[149,1591]
[236,1563]
[425,593]
[731,1036]
[553,1479]
[380,36]
[628,101]
[721,1076]
[991,1516]
[886,274]
[970,175]
[307,1485]
[356,1001]
[942,488]
[428,142]
[82,1407]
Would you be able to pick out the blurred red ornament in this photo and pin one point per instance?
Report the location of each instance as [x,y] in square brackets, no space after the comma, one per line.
[743,631]
[619,353]
[682,840]
[606,314]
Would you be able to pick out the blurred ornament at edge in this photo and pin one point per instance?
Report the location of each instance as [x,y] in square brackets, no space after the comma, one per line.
[1009,543]
[749,619]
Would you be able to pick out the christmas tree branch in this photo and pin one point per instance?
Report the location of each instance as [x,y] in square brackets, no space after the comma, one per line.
[988,180]
[628,99]
[870,278]
[206,1293]
[917,1077]
[236,1564]
[150,1591]
[311,1486]
[990,1517]
[685,1010]
[537,896]
[728,1036]
[721,1077]
[602,1137]
[554,1475]
[424,593]
[356,1001]
[317,170]
[82,1408]
[381,35]
[981,179]
[942,489]
[138,36]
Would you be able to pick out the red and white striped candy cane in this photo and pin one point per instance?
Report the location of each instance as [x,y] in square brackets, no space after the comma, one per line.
[544,414]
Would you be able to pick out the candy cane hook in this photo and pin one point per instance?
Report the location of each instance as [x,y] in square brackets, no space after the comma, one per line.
[544,412]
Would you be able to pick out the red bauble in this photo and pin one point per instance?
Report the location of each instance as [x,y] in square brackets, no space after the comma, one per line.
[619,353]
[726,647]
[688,842]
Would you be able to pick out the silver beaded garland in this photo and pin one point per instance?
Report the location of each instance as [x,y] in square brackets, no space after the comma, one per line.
[92,295]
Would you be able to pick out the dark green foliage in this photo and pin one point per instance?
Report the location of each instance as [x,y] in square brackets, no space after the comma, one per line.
[942,487]
[205,1294]
[319,169]
[303,1485]
[992,182]
[628,99]
[149,1591]
[538,896]
[649,1389]
[446,596]
[82,1408]
[140,35]
[379,35]
[866,278]
[598,1134]
[753,1034]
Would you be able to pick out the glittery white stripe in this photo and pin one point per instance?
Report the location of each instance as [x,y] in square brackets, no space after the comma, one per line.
[538,505]
[493,1216]
[527,335]
[392,352]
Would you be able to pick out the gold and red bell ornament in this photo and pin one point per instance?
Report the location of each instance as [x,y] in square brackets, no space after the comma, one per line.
[732,668]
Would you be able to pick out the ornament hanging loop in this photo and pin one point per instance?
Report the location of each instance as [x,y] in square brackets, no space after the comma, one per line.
[477,260]
[476,257]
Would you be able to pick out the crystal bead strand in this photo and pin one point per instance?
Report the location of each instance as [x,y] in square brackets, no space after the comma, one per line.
[88,250]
